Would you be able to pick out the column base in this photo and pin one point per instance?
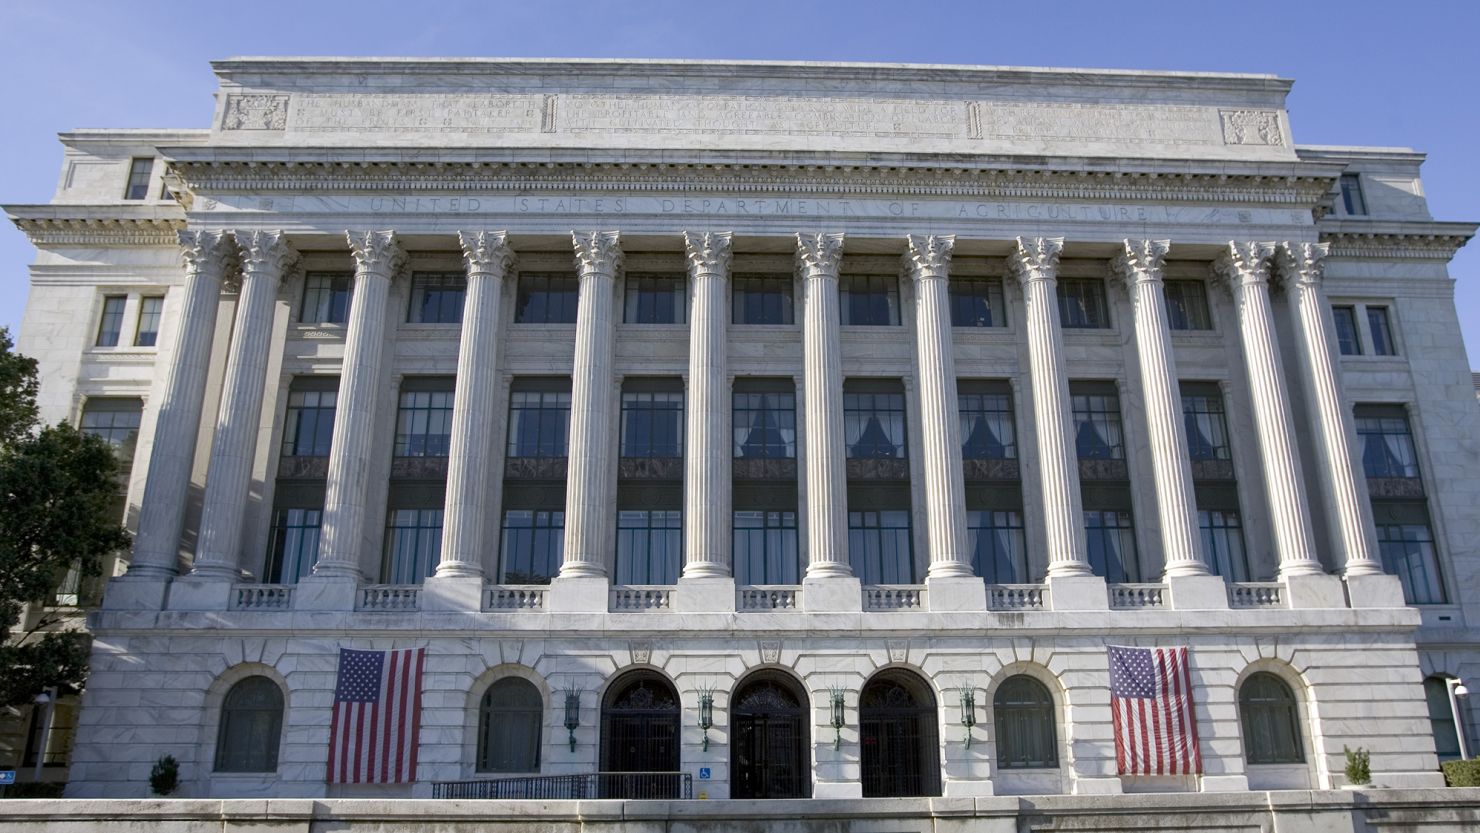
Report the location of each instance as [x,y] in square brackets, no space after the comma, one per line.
[1375,591]
[200,593]
[579,594]
[1314,591]
[325,593]
[953,594]
[705,595]
[1078,593]
[1225,783]
[843,594]
[459,593]
[1198,592]
[125,593]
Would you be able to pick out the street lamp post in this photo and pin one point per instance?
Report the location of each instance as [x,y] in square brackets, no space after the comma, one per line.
[1457,690]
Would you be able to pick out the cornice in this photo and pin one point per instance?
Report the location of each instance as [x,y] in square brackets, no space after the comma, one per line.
[1417,240]
[101,231]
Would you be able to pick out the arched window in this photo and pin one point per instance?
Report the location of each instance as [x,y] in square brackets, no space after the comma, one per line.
[640,734]
[897,727]
[1271,721]
[251,727]
[509,721]
[1441,718]
[1026,737]
[768,739]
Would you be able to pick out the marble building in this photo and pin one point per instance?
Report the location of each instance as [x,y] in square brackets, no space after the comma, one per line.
[805,430]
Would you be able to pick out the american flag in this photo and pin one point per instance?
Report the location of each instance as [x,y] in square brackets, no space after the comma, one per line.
[377,715]
[1151,703]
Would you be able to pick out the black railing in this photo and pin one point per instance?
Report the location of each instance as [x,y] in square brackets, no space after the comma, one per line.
[639,785]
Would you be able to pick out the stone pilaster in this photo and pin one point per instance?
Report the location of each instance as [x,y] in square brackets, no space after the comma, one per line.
[707,451]
[819,257]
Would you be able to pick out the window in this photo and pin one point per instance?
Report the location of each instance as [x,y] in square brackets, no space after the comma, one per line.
[869,300]
[1406,543]
[111,324]
[509,727]
[546,299]
[251,727]
[1223,543]
[1387,442]
[1207,426]
[897,734]
[873,425]
[765,547]
[437,297]
[649,546]
[652,423]
[1346,330]
[988,431]
[879,546]
[1082,304]
[326,297]
[1097,430]
[413,545]
[654,299]
[539,422]
[147,333]
[1026,735]
[765,424]
[995,539]
[424,423]
[1351,195]
[532,547]
[309,426]
[1382,332]
[1270,720]
[115,421]
[977,303]
[1111,539]
[762,300]
[140,171]
[1187,305]
[1441,718]
[295,544]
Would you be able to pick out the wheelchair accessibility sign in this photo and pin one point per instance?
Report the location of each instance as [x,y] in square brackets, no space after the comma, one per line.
[703,774]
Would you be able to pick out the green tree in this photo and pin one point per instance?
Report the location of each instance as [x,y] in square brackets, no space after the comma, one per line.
[57,491]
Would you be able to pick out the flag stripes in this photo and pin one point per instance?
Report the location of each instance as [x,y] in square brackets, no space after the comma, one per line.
[377,716]
[1151,709]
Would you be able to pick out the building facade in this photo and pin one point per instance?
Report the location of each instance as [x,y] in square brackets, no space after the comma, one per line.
[806,430]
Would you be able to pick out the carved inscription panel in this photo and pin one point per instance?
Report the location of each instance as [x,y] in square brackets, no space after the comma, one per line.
[750,115]
[419,113]
[1122,124]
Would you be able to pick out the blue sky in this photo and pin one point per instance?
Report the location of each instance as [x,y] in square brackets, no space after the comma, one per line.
[1366,72]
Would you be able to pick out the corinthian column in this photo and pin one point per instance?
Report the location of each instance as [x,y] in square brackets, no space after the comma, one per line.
[1140,266]
[927,260]
[1345,490]
[488,259]
[207,256]
[378,257]
[587,493]
[1036,265]
[818,258]
[1245,266]
[707,453]
[266,255]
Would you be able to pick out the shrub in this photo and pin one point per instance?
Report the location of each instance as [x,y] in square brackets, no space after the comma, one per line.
[1358,765]
[1462,773]
[165,776]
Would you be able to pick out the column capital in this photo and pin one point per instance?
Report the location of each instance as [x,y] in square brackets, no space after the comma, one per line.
[1302,263]
[265,252]
[1036,258]
[376,252]
[597,252]
[1244,262]
[708,252]
[1141,260]
[207,253]
[486,252]
[928,256]
[819,255]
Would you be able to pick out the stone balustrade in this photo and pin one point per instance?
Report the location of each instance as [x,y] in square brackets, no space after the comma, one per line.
[635,598]
[262,597]
[515,597]
[389,597]
[1256,594]
[1137,596]
[768,597]
[895,597]
[1017,597]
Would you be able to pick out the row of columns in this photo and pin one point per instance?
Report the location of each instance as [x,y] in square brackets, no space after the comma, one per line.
[1245,266]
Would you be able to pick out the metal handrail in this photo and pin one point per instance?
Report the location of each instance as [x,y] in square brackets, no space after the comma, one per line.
[585,785]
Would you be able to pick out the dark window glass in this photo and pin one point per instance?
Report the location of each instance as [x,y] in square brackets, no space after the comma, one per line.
[509,721]
[988,431]
[251,727]
[539,423]
[413,544]
[1082,304]
[1387,443]
[533,544]
[309,425]
[1346,331]
[437,297]
[654,299]
[1187,305]
[295,544]
[1441,718]
[1351,195]
[1207,427]
[996,543]
[111,324]
[765,424]
[652,424]
[879,547]
[977,303]
[1026,735]
[424,423]
[762,300]
[1382,332]
[1270,720]
[1223,543]
[649,546]
[147,334]
[900,747]
[117,422]
[1097,429]
[1111,539]
[326,297]
[1408,553]
[873,425]
[765,545]
[139,173]
[869,300]
[547,299]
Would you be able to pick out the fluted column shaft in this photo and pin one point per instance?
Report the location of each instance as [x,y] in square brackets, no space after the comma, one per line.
[1245,266]
[818,257]
[928,261]
[181,396]
[707,452]
[1140,265]
[1302,270]
[587,538]
[265,257]
[488,259]
[378,257]
[1036,264]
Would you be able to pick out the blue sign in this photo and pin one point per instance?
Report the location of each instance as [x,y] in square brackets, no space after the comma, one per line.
[7,776]
[703,774]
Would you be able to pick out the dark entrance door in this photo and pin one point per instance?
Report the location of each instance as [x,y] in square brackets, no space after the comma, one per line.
[640,735]
[768,741]
[896,724]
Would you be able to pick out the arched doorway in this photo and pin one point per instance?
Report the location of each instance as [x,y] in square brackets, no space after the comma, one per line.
[640,734]
[768,739]
[897,727]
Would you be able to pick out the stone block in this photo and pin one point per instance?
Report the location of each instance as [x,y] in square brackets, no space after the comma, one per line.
[200,593]
[837,789]
[1225,783]
[953,594]
[579,595]
[1375,591]
[969,789]
[1198,592]
[459,593]
[1098,786]
[1078,593]
[125,593]
[325,593]
[705,595]
[832,594]
[1314,591]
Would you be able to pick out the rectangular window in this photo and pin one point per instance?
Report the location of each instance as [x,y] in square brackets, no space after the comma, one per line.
[765,547]
[1382,332]
[654,299]
[1346,330]
[1406,543]
[869,300]
[1111,539]
[115,421]
[652,423]
[879,547]
[996,543]
[1097,431]
[649,546]
[139,173]
[977,303]
[326,297]
[765,424]
[1351,195]
[539,422]
[413,543]
[147,334]
[873,425]
[1386,441]
[758,299]
[424,423]
[532,546]
[110,326]
[988,431]
[309,425]
[437,297]
[295,544]
[546,298]
[1207,426]
[1223,543]
[1187,305]
[1082,304]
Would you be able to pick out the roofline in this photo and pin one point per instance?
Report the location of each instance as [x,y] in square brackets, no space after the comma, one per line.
[1396,154]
